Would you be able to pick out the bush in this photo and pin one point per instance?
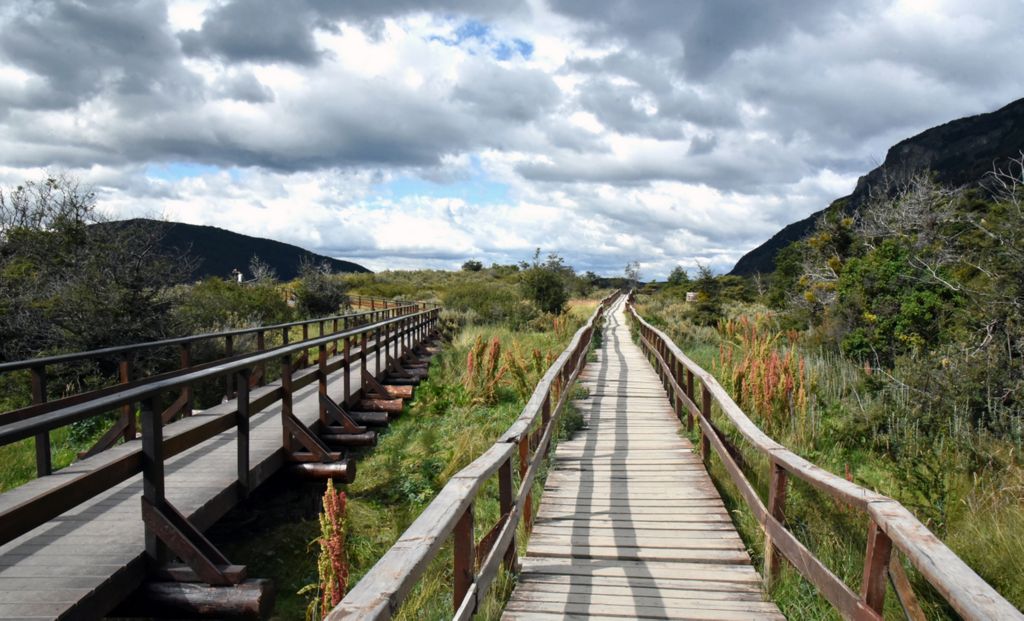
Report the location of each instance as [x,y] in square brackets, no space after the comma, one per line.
[491,303]
[320,292]
[216,304]
[546,284]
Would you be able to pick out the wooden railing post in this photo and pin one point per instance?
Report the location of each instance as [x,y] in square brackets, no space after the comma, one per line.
[229,350]
[464,556]
[545,418]
[187,393]
[346,381]
[153,489]
[705,410]
[44,464]
[124,372]
[506,502]
[776,508]
[876,567]
[261,345]
[286,402]
[677,399]
[242,420]
[690,394]
[363,340]
[321,374]
[524,464]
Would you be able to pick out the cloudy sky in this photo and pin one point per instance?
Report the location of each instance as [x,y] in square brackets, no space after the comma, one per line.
[404,133]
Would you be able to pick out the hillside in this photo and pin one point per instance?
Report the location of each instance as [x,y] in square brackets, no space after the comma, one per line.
[219,251]
[959,152]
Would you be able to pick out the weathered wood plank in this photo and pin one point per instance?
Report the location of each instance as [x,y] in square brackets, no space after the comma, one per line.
[630,524]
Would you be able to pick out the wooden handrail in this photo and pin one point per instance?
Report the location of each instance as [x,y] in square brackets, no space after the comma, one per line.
[111,352]
[115,466]
[381,592]
[21,429]
[125,425]
[891,524]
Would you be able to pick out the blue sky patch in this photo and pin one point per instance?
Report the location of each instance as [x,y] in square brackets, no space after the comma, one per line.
[477,190]
[175,171]
[501,49]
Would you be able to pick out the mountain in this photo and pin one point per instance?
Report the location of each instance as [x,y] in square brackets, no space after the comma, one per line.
[219,251]
[959,152]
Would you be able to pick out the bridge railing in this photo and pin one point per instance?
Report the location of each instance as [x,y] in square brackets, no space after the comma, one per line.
[48,497]
[376,302]
[380,593]
[123,356]
[891,524]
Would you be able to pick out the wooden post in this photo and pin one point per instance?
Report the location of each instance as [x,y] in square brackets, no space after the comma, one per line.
[690,394]
[876,567]
[261,345]
[153,473]
[242,420]
[776,508]
[677,368]
[44,465]
[347,371]
[524,464]
[506,501]
[124,372]
[705,410]
[464,556]
[286,402]
[377,352]
[545,419]
[363,340]
[229,350]
[322,382]
[186,391]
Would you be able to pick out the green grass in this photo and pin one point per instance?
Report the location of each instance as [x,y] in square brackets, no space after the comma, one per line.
[965,485]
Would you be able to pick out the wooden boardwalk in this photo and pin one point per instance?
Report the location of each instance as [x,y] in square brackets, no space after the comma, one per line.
[630,524]
[76,565]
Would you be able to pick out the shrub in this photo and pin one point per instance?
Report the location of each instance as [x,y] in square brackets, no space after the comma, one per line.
[491,302]
[319,292]
[546,284]
[217,304]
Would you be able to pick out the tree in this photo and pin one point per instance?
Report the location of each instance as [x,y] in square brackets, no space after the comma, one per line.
[319,292]
[472,265]
[678,277]
[261,271]
[707,310]
[546,283]
[67,285]
[632,272]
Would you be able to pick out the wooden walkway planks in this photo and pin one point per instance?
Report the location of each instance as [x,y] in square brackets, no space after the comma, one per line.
[630,524]
[74,566]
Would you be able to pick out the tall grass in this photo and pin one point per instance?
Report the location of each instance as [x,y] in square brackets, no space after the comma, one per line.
[857,422]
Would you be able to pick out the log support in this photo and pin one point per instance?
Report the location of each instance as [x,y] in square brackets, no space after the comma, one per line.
[250,599]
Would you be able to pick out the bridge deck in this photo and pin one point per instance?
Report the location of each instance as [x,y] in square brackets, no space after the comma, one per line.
[630,524]
[82,563]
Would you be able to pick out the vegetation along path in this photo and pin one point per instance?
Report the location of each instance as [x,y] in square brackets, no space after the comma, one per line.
[630,524]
